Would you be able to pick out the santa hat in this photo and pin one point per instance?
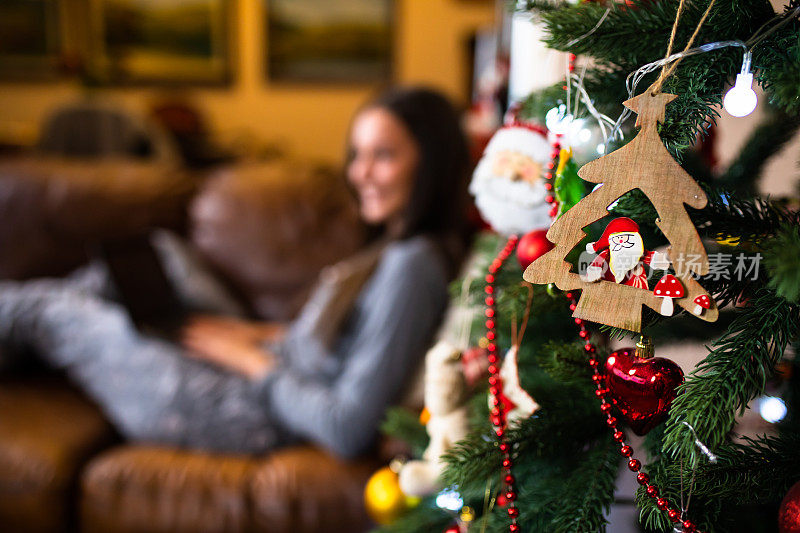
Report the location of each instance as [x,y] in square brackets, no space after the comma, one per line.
[618,225]
[526,139]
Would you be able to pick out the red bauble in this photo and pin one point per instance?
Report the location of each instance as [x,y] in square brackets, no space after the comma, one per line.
[453,529]
[642,389]
[531,246]
[789,512]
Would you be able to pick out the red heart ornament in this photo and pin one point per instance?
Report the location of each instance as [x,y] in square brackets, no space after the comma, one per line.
[642,389]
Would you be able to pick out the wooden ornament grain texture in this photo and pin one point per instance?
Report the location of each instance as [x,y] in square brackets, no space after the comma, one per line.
[645,164]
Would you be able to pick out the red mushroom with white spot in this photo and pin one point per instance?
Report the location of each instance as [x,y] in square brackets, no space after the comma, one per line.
[668,288]
[703,302]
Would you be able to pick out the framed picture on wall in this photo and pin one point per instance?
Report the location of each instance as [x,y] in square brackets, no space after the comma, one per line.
[337,41]
[29,39]
[161,41]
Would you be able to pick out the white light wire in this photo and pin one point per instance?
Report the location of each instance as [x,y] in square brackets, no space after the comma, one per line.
[576,40]
[755,38]
[633,79]
[702,447]
[603,121]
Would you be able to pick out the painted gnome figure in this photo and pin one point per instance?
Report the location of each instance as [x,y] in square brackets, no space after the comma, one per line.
[507,183]
[622,255]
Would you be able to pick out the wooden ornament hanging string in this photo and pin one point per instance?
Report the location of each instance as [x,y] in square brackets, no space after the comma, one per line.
[666,71]
[466,321]
[645,164]
[515,338]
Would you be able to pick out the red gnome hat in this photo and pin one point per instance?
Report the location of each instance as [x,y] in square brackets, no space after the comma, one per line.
[618,225]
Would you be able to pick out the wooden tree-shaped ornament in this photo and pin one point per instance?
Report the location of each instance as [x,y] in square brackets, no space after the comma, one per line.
[643,163]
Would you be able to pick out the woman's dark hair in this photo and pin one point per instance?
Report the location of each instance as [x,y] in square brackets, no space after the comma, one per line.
[439,198]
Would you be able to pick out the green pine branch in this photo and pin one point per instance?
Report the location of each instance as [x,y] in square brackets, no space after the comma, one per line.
[756,471]
[565,362]
[589,491]
[564,421]
[781,255]
[777,59]
[732,374]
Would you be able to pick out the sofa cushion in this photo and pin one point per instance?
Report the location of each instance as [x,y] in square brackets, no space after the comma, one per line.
[306,490]
[269,228]
[153,489]
[54,208]
[47,432]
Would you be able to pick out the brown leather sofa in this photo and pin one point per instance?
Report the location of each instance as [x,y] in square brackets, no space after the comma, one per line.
[267,229]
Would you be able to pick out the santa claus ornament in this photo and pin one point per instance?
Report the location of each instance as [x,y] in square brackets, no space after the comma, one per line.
[507,183]
[614,284]
[621,255]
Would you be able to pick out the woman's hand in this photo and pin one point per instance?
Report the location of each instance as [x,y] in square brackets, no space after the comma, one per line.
[224,343]
[246,330]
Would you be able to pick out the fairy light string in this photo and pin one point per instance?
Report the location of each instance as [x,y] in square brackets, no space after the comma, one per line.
[634,78]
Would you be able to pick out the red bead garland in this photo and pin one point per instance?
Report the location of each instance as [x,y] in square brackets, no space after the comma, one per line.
[634,465]
[549,176]
[498,415]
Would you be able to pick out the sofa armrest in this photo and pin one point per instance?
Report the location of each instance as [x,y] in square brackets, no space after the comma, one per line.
[147,489]
[143,489]
[306,490]
[47,432]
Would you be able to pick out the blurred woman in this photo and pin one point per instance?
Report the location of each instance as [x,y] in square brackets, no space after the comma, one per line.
[246,387]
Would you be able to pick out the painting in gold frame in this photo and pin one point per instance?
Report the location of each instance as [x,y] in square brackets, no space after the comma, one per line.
[335,41]
[29,39]
[174,42]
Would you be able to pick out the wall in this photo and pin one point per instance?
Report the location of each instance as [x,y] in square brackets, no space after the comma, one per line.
[307,121]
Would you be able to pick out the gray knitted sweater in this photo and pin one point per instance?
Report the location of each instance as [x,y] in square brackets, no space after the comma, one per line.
[332,393]
[337,396]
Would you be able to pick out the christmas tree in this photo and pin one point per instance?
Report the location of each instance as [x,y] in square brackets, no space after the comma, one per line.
[560,465]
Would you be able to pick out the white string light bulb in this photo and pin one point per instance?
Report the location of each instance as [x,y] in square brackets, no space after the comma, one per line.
[741,99]
[558,120]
